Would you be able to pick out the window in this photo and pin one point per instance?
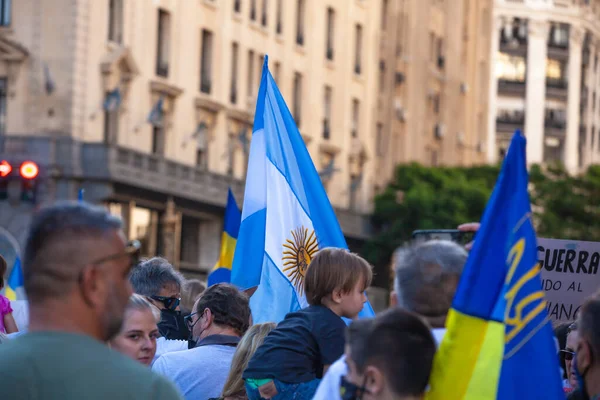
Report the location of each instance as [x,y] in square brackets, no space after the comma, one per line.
[327,112]
[142,226]
[261,61]
[555,70]
[279,25]
[234,72]
[358,49]
[384,11]
[330,33]
[190,240]
[300,23]
[380,145]
[355,117]
[237,6]
[510,68]
[298,98]
[277,71]
[201,145]
[162,51]
[382,75]
[559,36]
[5,12]
[250,77]
[158,140]
[440,53]
[206,62]
[252,10]
[263,17]
[111,123]
[436,103]
[115,21]
[3,93]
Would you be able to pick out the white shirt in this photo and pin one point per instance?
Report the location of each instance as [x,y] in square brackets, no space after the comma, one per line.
[329,388]
[164,346]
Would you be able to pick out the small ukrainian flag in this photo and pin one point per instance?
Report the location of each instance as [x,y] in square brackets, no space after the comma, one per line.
[221,272]
[15,280]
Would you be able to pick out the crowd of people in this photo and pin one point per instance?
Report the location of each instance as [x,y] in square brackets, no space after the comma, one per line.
[104,324]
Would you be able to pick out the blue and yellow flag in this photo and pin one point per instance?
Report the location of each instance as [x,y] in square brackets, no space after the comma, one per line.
[499,343]
[15,280]
[221,272]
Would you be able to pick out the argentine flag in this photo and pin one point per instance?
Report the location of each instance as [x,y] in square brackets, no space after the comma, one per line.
[286,215]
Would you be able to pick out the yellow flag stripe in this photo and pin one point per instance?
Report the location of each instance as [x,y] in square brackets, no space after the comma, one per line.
[467,365]
[11,294]
[227,251]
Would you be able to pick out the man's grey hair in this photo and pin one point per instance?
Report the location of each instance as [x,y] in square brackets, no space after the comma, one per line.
[152,275]
[426,276]
[57,246]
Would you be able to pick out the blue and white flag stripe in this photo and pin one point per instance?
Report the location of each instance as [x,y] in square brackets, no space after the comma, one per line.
[285,208]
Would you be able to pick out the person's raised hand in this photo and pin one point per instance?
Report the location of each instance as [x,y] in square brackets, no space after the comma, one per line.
[469,227]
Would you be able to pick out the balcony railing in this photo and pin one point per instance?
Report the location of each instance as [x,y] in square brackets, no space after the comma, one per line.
[511,86]
[555,123]
[62,157]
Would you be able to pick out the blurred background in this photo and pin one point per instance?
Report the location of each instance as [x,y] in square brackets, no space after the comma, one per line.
[147,106]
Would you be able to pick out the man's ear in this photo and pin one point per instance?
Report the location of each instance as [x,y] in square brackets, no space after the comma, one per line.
[393,299]
[91,286]
[374,380]
[584,355]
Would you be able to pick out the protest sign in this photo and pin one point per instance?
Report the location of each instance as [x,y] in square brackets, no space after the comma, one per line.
[569,275]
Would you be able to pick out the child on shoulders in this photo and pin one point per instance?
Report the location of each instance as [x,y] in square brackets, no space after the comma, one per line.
[296,354]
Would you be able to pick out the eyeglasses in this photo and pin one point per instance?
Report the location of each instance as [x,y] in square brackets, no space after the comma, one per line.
[568,354]
[188,320]
[170,303]
[132,250]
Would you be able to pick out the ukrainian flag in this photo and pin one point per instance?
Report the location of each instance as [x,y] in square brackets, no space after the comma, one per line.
[499,343]
[221,272]
[15,280]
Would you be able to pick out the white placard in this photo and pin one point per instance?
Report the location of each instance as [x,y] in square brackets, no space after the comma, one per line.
[569,275]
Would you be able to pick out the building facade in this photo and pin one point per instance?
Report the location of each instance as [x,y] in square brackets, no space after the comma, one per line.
[433,105]
[545,80]
[148,106]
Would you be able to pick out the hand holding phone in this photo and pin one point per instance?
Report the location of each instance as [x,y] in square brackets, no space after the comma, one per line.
[461,237]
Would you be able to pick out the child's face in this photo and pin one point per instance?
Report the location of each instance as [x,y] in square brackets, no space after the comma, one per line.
[352,302]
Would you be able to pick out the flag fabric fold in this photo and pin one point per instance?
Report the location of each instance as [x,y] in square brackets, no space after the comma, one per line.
[15,280]
[221,272]
[499,343]
[286,216]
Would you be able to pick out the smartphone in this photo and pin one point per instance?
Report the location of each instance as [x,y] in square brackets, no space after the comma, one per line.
[454,235]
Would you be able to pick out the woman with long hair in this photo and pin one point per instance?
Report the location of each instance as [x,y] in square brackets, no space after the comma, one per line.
[234,388]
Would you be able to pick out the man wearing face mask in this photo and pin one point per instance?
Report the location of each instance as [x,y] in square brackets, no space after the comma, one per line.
[220,318]
[586,364]
[388,357]
[160,283]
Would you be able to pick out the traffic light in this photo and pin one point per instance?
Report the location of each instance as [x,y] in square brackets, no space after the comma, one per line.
[5,170]
[29,171]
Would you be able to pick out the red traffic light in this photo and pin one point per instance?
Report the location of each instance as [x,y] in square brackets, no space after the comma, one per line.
[29,170]
[5,168]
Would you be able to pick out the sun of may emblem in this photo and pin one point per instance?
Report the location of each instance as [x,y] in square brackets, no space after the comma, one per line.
[297,255]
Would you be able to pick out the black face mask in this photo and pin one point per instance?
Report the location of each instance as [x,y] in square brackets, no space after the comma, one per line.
[172,326]
[350,391]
